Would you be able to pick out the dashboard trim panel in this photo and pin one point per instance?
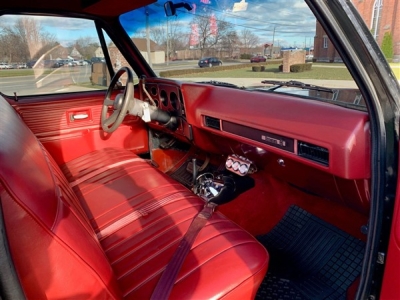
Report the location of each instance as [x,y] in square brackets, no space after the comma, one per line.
[261,136]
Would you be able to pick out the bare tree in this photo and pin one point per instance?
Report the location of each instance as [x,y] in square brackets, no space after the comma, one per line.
[230,43]
[175,37]
[158,34]
[86,46]
[209,37]
[248,39]
[25,40]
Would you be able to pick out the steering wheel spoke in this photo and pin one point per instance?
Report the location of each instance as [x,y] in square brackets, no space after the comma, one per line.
[108,102]
[111,123]
[111,119]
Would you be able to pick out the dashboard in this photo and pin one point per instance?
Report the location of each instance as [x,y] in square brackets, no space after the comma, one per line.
[323,136]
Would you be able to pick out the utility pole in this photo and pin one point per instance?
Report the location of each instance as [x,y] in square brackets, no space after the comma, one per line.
[273,41]
[167,42]
[148,38]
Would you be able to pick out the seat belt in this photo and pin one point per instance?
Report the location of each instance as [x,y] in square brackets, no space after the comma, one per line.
[165,284]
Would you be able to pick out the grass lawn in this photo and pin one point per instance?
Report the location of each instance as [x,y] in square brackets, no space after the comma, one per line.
[31,72]
[319,71]
[16,72]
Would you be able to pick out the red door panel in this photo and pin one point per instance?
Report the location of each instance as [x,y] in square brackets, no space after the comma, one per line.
[69,128]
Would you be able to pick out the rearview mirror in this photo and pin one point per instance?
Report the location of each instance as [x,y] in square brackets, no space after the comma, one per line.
[170,7]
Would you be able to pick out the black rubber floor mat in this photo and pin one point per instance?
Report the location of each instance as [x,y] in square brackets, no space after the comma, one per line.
[183,176]
[186,177]
[309,259]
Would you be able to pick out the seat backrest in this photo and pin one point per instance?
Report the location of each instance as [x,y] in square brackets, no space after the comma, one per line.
[54,248]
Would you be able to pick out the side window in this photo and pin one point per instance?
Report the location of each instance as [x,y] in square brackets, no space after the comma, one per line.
[49,55]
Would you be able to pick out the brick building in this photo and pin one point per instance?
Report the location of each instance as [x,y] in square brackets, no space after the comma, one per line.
[380,17]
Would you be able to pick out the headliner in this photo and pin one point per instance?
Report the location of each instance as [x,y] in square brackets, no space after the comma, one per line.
[104,8]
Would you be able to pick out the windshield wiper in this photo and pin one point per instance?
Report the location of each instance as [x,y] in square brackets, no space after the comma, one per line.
[298,84]
[220,83]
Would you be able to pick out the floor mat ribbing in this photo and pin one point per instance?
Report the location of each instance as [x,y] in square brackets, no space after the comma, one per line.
[309,259]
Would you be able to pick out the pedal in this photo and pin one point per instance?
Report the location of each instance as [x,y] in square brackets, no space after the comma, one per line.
[167,144]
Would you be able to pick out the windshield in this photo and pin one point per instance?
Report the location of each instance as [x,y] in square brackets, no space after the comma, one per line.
[254,45]
[242,43]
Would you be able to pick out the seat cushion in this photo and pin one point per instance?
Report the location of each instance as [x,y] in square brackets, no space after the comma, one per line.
[54,249]
[139,215]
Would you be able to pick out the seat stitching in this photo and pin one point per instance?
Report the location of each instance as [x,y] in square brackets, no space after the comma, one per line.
[165,247]
[149,240]
[101,170]
[128,200]
[140,212]
[189,273]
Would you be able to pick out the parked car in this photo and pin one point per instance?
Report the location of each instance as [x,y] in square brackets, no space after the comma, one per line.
[258,58]
[5,66]
[82,62]
[72,63]
[57,64]
[97,59]
[31,63]
[175,182]
[209,62]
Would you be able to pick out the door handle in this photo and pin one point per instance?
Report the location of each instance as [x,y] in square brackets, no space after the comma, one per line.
[80,116]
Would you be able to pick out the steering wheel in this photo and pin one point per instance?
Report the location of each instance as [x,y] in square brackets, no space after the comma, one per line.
[119,104]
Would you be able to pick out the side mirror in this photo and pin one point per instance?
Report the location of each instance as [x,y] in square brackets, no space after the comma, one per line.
[170,8]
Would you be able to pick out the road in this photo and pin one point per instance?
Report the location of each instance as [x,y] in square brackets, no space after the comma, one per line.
[42,82]
[182,65]
[68,79]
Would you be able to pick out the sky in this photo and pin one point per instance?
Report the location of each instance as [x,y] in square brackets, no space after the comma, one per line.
[292,20]
[66,30]
[288,23]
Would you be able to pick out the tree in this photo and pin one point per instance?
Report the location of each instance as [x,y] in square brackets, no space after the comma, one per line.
[210,37]
[86,46]
[230,42]
[25,40]
[175,37]
[387,45]
[248,39]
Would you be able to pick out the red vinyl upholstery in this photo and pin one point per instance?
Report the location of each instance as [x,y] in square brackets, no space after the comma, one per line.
[106,224]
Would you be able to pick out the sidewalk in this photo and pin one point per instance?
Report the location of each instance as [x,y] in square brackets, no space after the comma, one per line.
[396,70]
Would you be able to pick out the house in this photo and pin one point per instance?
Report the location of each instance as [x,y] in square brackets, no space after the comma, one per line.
[157,56]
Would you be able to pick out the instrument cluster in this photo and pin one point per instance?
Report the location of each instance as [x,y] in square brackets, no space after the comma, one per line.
[167,97]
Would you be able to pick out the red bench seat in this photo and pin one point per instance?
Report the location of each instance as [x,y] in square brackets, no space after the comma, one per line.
[106,224]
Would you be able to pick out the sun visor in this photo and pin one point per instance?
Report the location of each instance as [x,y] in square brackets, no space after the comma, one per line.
[109,7]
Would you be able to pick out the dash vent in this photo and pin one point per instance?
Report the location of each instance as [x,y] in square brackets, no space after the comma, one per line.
[313,152]
[212,122]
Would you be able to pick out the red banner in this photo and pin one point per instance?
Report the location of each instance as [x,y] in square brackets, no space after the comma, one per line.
[213,25]
[194,35]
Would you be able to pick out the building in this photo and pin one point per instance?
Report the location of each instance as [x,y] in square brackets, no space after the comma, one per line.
[157,56]
[380,17]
